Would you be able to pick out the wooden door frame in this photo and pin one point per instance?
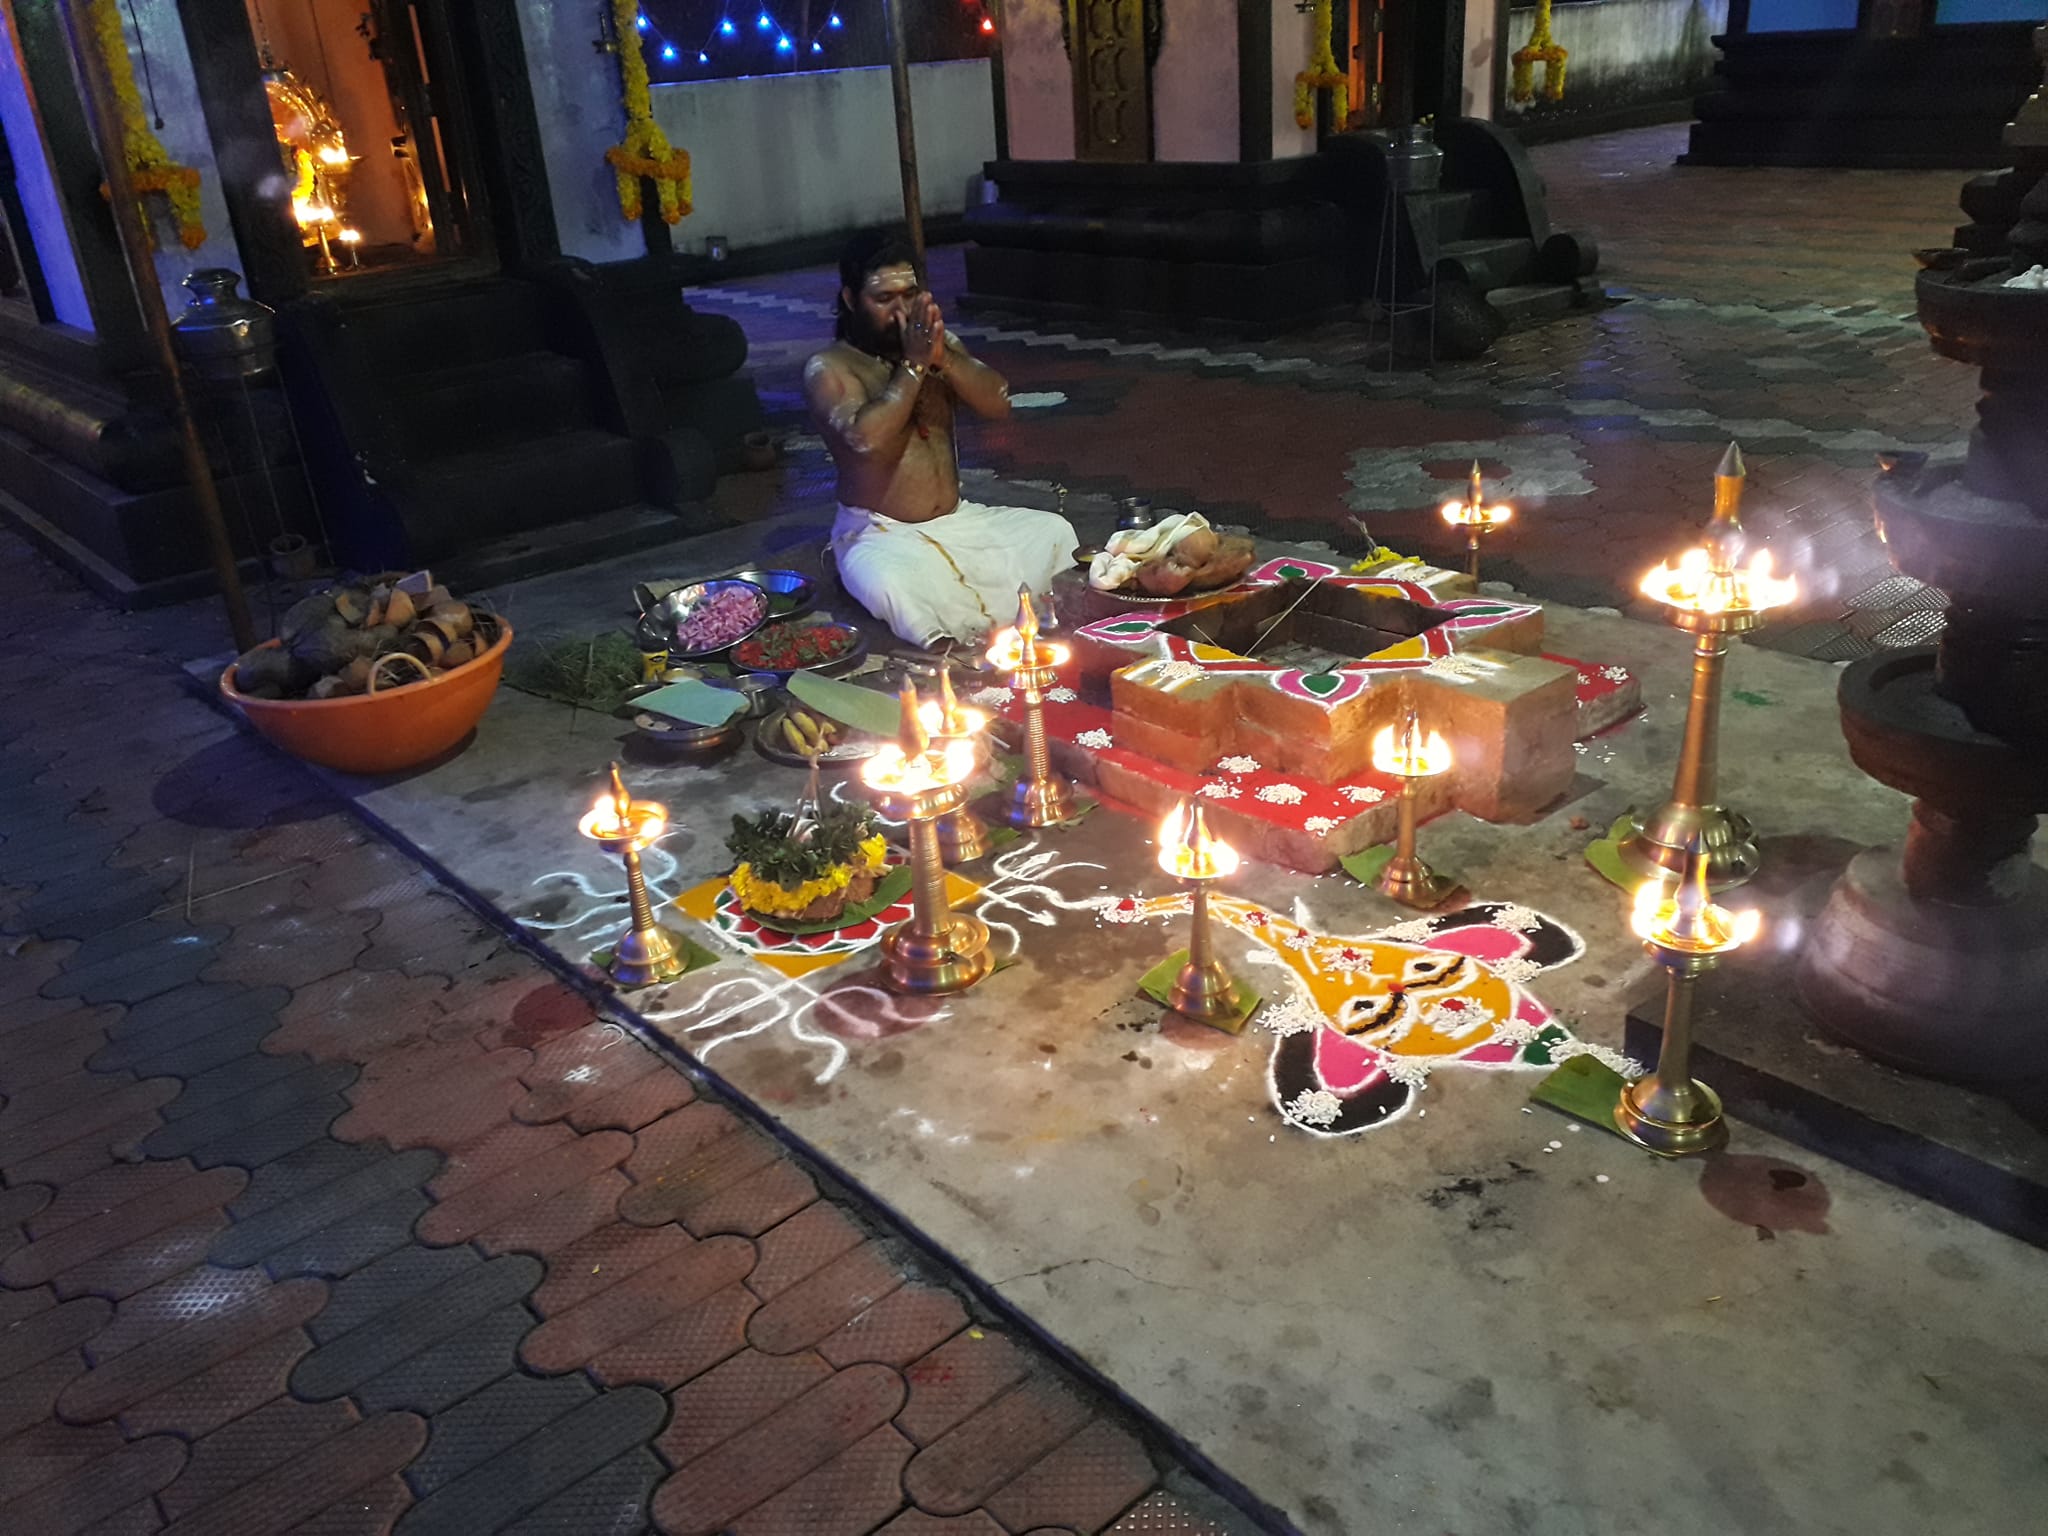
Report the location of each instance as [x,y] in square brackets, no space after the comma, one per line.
[1150,31]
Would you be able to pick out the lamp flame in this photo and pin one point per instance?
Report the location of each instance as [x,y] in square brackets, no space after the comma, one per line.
[1187,848]
[617,815]
[912,736]
[1683,914]
[910,765]
[1473,512]
[961,720]
[1412,756]
[1702,583]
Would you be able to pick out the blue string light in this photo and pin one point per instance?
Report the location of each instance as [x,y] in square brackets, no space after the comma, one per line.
[766,27]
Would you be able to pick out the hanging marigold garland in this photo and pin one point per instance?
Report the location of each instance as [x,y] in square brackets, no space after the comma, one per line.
[1322,74]
[1542,49]
[150,166]
[645,151]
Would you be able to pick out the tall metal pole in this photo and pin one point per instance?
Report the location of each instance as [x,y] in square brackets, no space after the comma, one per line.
[135,242]
[906,135]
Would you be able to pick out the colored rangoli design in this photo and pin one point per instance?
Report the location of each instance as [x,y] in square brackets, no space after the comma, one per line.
[1361,1023]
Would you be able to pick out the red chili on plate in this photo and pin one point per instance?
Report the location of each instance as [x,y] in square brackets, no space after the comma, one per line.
[789,647]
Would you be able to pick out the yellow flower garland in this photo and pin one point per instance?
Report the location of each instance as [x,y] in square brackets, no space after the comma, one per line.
[1322,74]
[757,895]
[1542,50]
[150,166]
[645,150]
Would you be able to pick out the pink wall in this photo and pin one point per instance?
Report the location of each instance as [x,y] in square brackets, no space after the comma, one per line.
[1038,82]
[1194,84]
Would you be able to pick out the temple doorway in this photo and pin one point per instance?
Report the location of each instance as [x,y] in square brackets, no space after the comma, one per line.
[365,100]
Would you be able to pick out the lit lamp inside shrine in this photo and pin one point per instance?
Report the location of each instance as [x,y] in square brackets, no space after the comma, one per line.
[1711,594]
[1203,990]
[963,836]
[618,823]
[1475,517]
[1670,1112]
[1041,797]
[924,778]
[1410,756]
[316,156]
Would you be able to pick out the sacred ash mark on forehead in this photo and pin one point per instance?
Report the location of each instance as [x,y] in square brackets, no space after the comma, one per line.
[887,282]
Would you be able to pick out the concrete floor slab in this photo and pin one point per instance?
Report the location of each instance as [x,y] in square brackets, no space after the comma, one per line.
[1477,1319]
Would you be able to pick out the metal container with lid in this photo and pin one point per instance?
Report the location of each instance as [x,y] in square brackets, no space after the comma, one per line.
[221,334]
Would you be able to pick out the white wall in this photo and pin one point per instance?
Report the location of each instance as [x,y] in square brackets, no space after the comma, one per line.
[1292,31]
[1622,50]
[778,157]
[184,137]
[576,97]
[1482,21]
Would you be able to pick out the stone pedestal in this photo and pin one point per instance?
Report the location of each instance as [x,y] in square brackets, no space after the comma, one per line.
[1935,957]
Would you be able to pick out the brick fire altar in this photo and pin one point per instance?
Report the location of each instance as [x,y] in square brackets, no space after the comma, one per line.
[1264,699]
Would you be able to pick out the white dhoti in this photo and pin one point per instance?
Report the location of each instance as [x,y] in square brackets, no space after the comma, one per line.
[955,577]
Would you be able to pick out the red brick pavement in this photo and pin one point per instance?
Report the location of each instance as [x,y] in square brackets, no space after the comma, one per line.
[323,1211]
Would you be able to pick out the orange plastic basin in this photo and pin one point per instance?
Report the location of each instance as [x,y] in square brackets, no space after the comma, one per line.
[383,732]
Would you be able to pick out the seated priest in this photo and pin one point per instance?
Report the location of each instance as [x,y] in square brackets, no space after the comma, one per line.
[932,566]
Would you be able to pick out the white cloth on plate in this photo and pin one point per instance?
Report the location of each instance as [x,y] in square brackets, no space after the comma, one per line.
[1130,548]
[955,577]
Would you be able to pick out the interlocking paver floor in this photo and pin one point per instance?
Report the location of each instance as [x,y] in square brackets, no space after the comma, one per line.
[327,1210]
[1775,307]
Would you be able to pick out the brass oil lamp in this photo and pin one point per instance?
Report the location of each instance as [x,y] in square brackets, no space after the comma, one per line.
[1041,797]
[1670,1112]
[1411,757]
[648,953]
[935,949]
[1713,598]
[1203,990]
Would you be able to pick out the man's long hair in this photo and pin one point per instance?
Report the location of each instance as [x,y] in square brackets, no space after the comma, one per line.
[862,256]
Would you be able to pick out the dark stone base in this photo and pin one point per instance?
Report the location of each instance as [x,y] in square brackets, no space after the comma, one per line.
[1940,100]
[1260,247]
[1980,1153]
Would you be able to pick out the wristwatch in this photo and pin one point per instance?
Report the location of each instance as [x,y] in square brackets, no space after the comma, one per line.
[915,370]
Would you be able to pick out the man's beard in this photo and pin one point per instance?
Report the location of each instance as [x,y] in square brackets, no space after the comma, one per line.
[859,329]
